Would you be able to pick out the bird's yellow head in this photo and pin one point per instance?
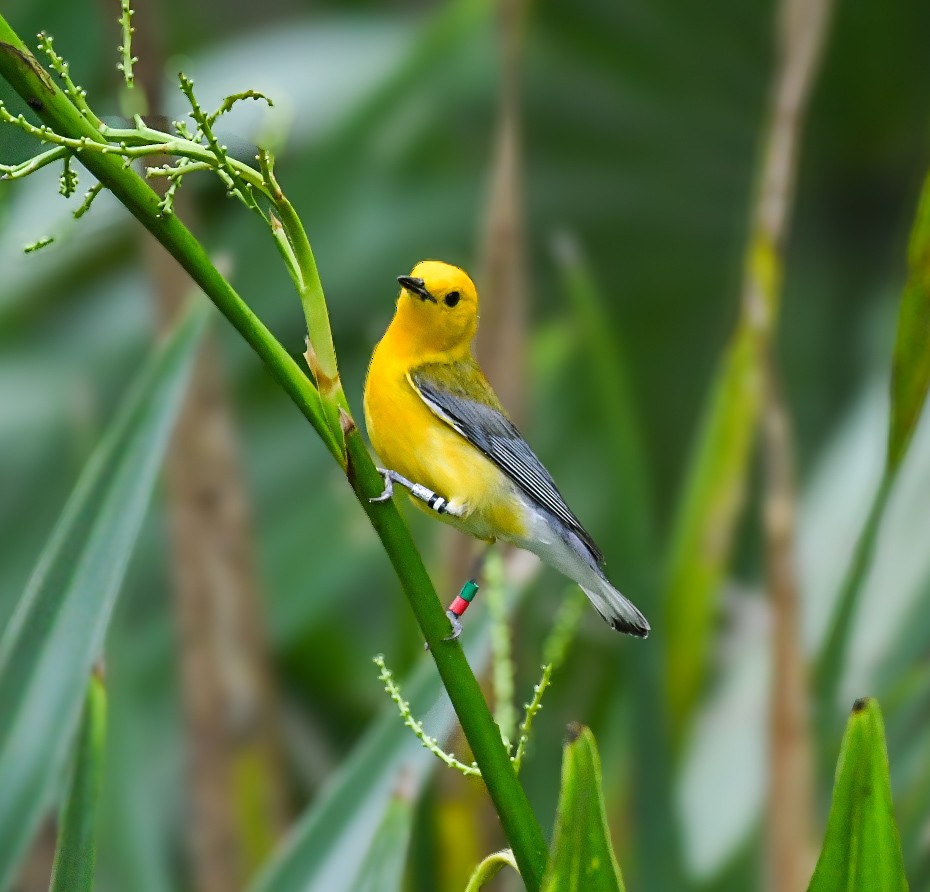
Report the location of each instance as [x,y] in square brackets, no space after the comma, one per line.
[437,309]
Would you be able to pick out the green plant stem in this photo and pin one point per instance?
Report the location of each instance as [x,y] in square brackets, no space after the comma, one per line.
[490,868]
[32,82]
[482,733]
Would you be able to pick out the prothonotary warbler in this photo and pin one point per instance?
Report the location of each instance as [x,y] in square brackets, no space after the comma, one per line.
[443,435]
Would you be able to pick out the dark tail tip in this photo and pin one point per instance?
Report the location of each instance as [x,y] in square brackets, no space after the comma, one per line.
[630,629]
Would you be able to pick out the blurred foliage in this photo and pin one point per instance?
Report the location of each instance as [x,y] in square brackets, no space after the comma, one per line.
[641,127]
[56,634]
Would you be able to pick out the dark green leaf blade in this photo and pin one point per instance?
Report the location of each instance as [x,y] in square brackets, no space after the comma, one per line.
[910,372]
[861,849]
[582,858]
[56,633]
[383,867]
[76,853]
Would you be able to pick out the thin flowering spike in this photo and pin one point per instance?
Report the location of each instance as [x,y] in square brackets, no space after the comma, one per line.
[68,181]
[236,186]
[195,148]
[89,197]
[555,649]
[502,668]
[20,171]
[227,104]
[166,204]
[75,93]
[532,708]
[38,245]
[182,129]
[403,707]
[128,59]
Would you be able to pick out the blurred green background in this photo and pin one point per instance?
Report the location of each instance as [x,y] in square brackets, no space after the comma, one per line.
[641,128]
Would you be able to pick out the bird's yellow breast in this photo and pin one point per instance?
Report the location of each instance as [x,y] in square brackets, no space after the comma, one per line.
[411,439]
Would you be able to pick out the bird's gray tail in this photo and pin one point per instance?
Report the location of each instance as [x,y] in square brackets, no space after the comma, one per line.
[618,612]
[562,548]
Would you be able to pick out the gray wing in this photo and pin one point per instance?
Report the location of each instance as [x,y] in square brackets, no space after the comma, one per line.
[491,431]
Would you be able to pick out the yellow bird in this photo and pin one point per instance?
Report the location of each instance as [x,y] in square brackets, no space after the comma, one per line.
[443,435]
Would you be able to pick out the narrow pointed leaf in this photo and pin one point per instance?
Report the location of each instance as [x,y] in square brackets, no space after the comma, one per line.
[635,550]
[383,867]
[582,858]
[861,849]
[910,373]
[706,521]
[76,852]
[56,633]
[910,380]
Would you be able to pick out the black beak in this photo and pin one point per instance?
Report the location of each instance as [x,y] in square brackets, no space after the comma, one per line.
[416,286]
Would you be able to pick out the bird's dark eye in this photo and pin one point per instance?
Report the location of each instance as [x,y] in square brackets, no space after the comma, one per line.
[452,298]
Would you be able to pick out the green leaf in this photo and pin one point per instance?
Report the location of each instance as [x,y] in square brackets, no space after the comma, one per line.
[383,867]
[910,380]
[76,853]
[910,371]
[705,521]
[582,857]
[635,546]
[57,631]
[861,849]
[489,868]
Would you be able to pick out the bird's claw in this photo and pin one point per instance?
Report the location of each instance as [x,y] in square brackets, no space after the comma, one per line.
[388,490]
[456,626]
[456,629]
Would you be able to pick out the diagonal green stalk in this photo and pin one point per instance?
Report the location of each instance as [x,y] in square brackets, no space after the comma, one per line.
[32,82]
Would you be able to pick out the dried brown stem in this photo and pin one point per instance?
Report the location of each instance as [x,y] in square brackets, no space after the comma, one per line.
[802,29]
[502,339]
[36,869]
[791,802]
[237,790]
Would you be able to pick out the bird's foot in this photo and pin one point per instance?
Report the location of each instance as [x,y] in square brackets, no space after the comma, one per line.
[457,608]
[438,503]
[456,626]
[388,490]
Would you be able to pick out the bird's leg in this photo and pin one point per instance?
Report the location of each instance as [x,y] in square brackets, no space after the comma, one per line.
[457,608]
[438,503]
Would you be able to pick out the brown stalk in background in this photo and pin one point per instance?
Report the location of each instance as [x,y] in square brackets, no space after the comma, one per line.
[33,875]
[791,847]
[236,789]
[802,29]
[502,337]
[501,351]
